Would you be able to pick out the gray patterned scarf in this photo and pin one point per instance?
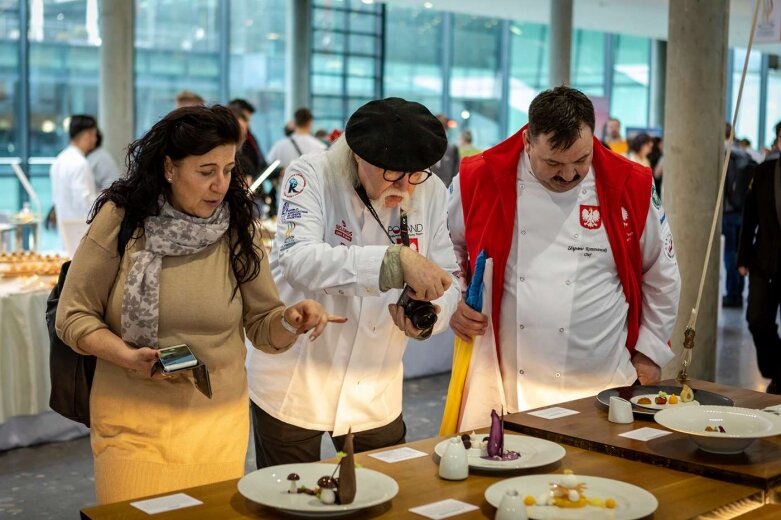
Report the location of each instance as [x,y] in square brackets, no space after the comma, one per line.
[172,233]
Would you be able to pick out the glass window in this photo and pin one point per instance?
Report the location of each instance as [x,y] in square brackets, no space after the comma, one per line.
[64,70]
[344,58]
[328,41]
[528,69]
[258,37]
[629,99]
[9,78]
[329,19]
[747,125]
[177,48]
[588,62]
[413,56]
[773,104]
[475,81]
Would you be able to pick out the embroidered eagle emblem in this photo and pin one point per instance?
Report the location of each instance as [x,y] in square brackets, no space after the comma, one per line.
[590,218]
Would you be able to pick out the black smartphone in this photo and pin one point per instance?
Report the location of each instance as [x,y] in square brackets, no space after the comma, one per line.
[178,357]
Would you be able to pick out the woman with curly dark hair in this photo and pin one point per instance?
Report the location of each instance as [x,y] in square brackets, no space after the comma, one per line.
[193,272]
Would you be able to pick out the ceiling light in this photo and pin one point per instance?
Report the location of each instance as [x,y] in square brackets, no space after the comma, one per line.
[428,5]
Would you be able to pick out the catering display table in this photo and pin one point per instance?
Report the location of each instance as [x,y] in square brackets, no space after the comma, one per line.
[25,416]
[759,466]
[680,495]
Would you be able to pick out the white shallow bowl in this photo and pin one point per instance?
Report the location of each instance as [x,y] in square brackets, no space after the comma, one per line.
[742,426]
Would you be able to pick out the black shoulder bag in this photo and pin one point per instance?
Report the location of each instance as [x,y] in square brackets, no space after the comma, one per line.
[71,373]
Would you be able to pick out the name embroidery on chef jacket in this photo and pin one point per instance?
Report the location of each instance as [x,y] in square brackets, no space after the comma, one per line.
[590,218]
[342,231]
[290,212]
[415,231]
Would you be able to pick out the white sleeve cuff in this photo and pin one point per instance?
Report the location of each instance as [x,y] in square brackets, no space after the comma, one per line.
[369,266]
[658,351]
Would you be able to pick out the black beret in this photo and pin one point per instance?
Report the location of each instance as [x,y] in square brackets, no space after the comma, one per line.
[396,135]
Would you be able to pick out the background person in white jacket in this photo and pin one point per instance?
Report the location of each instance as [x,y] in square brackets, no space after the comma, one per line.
[346,250]
[73,184]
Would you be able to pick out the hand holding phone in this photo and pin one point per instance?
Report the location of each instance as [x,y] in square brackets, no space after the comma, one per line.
[177,357]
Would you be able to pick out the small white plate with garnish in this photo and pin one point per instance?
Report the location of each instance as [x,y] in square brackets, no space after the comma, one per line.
[533,453]
[630,502]
[270,487]
[650,401]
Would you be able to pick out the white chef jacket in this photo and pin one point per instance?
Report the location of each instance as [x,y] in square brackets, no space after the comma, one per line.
[564,314]
[287,153]
[73,186]
[328,247]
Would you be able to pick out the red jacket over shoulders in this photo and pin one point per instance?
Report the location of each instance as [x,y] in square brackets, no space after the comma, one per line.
[488,196]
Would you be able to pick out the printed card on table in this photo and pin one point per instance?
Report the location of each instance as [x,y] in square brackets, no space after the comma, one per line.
[398,455]
[554,412]
[166,503]
[443,509]
[645,434]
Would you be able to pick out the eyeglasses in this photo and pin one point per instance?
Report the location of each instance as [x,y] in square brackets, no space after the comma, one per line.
[414,177]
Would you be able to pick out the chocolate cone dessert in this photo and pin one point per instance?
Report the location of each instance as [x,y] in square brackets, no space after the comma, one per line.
[347,483]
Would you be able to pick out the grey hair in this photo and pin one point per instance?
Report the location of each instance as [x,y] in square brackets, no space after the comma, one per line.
[342,163]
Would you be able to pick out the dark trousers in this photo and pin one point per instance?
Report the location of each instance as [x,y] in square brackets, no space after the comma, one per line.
[277,442]
[764,297]
[730,228]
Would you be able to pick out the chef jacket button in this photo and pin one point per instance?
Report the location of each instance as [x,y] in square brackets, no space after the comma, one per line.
[561,330]
[558,374]
[523,232]
[576,235]
[584,192]
[568,282]
[521,326]
[523,279]
[520,372]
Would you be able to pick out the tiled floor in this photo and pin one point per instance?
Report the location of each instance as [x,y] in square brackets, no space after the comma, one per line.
[55,480]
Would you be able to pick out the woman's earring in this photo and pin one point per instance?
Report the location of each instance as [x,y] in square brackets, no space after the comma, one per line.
[169,178]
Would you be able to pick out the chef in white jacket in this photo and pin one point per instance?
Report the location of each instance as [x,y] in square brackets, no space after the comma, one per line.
[357,223]
[587,289]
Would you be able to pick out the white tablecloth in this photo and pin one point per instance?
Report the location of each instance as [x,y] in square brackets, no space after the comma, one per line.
[25,416]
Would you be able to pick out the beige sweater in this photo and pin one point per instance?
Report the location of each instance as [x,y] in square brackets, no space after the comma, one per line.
[152,436]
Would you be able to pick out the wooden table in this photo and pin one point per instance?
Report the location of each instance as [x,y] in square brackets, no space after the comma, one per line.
[766,512]
[681,495]
[759,466]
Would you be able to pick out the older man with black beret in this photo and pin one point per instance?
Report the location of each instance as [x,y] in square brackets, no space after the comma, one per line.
[359,226]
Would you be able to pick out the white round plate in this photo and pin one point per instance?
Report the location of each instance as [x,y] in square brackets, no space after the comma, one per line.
[742,426]
[655,406]
[534,453]
[632,502]
[269,487]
